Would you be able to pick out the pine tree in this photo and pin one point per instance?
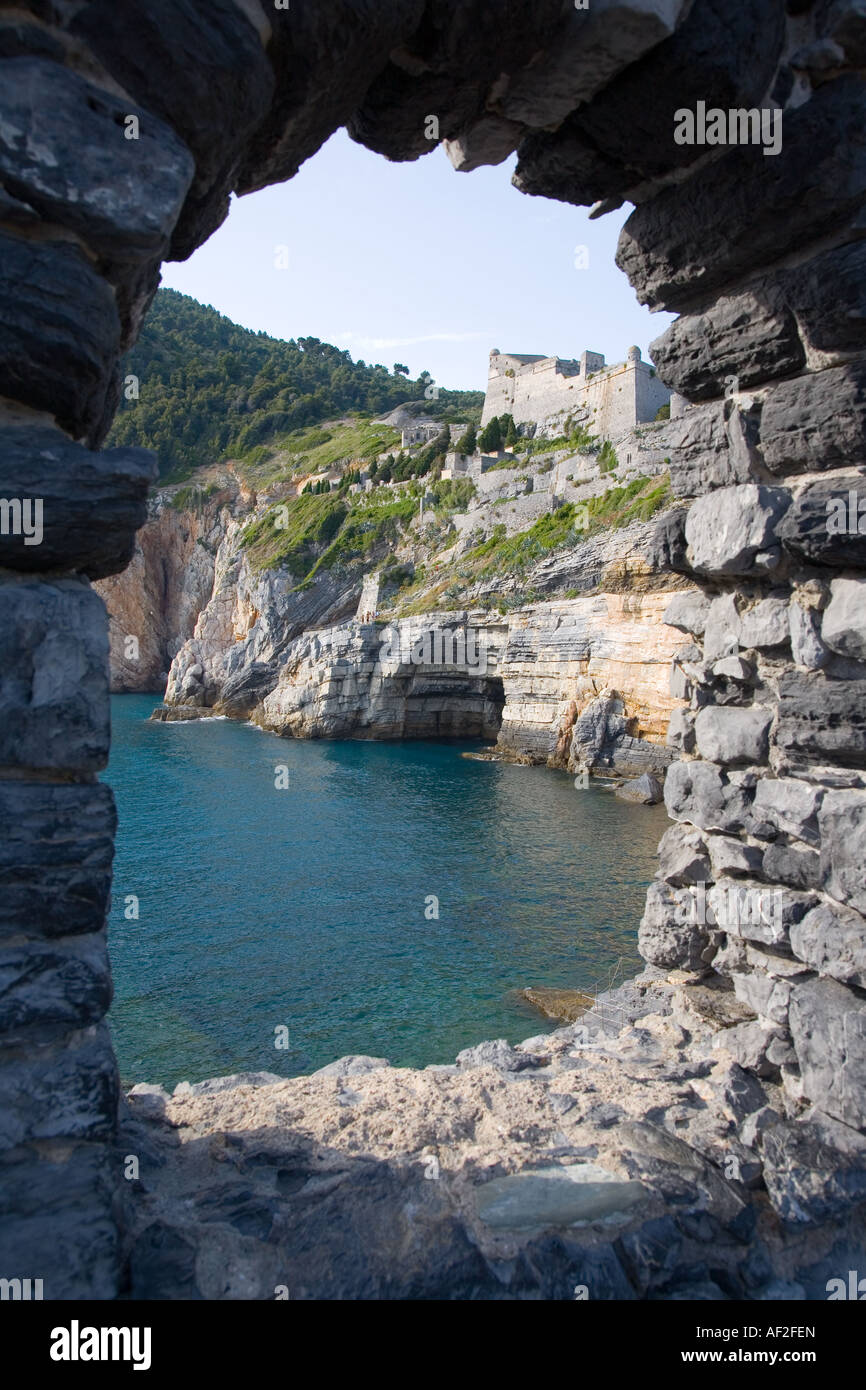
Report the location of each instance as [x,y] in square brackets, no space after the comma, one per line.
[490,438]
[468,441]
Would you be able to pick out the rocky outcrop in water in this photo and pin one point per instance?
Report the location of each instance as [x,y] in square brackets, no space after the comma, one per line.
[628,1155]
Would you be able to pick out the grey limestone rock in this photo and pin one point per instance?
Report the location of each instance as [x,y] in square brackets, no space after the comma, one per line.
[59,334]
[749,338]
[807,648]
[842,825]
[53,676]
[74,485]
[644,789]
[729,734]
[683,856]
[55,858]
[843,625]
[828,1028]
[498,1054]
[725,58]
[699,792]
[791,805]
[814,1170]
[733,531]
[823,523]
[63,151]
[667,938]
[820,720]
[765,625]
[677,251]
[354,1065]
[688,612]
[815,422]
[832,940]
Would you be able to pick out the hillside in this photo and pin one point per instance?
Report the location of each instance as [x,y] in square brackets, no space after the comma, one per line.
[209,389]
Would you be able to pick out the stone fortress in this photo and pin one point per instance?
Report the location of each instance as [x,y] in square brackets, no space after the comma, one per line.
[608,399]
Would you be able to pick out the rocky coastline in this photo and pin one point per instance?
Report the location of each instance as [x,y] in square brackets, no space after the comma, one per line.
[625,1156]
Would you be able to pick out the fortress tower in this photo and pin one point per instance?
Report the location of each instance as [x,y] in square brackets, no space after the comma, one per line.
[608,400]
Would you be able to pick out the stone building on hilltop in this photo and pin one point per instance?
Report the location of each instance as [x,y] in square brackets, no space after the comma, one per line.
[545,390]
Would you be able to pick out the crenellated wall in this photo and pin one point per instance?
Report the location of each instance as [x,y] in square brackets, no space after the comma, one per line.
[123,131]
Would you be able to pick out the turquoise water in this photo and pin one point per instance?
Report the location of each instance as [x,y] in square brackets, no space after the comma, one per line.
[304,908]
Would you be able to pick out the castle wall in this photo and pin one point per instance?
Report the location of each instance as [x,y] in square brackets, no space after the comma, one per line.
[613,399]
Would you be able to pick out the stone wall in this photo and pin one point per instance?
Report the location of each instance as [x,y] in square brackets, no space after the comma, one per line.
[123,131]
[607,400]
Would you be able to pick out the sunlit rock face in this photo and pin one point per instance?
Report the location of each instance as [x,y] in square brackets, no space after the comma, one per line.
[123,131]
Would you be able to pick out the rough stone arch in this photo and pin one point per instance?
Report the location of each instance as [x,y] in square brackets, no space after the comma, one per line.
[123,131]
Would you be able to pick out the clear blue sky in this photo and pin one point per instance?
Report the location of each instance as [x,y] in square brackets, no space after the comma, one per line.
[418,264]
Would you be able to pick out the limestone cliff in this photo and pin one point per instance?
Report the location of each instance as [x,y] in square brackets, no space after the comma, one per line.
[558,571]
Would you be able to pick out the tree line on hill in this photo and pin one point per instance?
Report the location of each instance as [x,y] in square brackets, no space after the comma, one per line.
[209,389]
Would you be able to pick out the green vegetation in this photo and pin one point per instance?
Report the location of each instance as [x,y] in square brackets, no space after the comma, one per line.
[211,390]
[468,441]
[664,412]
[193,497]
[607,458]
[502,554]
[316,532]
[578,440]
[490,438]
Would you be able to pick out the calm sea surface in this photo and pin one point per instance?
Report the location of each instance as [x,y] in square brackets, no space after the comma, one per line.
[303,909]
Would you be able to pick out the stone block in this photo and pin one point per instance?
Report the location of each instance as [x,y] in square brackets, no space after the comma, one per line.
[644,789]
[749,338]
[53,676]
[798,868]
[92,504]
[623,136]
[823,523]
[448,68]
[832,940]
[722,633]
[55,858]
[819,720]
[63,150]
[730,734]
[591,47]
[64,1090]
[814,1170]
[683,856]
[489,140]
[765,625]
[700,793]
[842,825]
[59,333]
[843,626]
[807,649]
[790,805]
[204,73]
[681,731]
[731,856]
[48,988]
[828,295]
[733,531]
[815,422]
[678,252]
[58,1221]
[664,938]
[713,446]
[688,612]
[828,1028]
